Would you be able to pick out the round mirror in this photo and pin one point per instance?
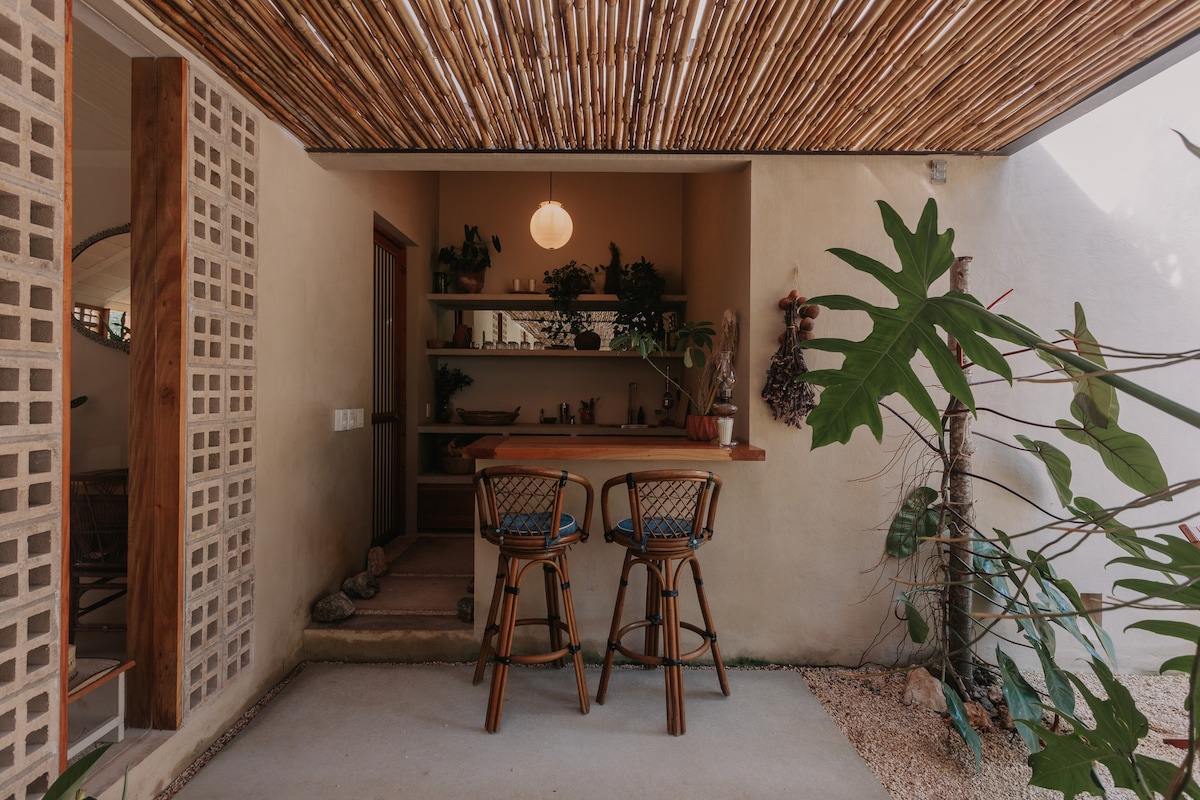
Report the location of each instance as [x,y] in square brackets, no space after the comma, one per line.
[100,287]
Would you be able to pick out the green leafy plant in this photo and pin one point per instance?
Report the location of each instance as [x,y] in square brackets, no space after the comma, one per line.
[693,341]
[563,286]
[474,255]
[449,382]
[639,300]
[967,562]
[69,785]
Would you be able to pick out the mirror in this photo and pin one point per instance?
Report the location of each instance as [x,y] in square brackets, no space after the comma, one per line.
[100,287]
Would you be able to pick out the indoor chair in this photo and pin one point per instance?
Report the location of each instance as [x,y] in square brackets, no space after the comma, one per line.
[671,514]
[520,511]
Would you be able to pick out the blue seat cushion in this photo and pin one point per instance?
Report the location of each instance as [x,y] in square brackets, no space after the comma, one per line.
[659,527]
[535,524]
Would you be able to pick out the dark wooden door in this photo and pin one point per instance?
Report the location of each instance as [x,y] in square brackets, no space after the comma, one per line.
[388,413]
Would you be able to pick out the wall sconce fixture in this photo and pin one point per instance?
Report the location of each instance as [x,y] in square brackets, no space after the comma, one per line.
[937,171]
[550,226]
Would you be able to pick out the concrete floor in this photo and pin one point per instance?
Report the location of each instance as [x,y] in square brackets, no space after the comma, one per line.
[416,731]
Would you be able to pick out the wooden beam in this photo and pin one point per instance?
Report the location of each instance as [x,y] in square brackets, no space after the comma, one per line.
[157,392]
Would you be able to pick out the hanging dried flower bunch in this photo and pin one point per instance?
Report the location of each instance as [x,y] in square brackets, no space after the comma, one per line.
[789,397]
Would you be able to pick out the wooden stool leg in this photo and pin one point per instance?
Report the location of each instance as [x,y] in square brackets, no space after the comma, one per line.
[618,609]
[573,647]
[709,627]
[502,658]
[672,650]
[654,611]
[489,630]
[553,611]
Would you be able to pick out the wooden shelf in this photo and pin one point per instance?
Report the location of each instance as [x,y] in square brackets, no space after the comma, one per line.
[521,301]
[469,352]
[550,448]
[556,430]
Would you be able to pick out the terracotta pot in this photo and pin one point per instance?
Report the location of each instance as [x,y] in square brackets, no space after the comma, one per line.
[701,428]
[469,282]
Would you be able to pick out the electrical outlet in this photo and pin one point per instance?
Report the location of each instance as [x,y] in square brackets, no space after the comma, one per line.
[358,417]
[338,420]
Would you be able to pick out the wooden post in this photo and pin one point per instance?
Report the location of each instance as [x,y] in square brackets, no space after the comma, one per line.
[960,504]
[158,243]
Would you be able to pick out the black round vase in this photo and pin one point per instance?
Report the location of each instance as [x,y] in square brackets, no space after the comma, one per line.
[588,340]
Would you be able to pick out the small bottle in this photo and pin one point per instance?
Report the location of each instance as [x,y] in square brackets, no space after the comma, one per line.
[641,416]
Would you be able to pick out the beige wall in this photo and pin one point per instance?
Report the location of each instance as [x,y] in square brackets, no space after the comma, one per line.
[99,427]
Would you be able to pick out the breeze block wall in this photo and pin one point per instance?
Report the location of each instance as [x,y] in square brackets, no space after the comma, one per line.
[219,470]
[32,59]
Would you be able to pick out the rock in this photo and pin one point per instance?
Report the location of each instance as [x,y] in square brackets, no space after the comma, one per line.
[466,609]
[364,585]
[377,563]
[333,608]
[977,717]
[996,695]
[923,689]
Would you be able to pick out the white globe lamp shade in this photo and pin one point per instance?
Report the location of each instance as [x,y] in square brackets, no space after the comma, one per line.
[550,226]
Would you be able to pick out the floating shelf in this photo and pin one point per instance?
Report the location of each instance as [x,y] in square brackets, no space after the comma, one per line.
[519,301]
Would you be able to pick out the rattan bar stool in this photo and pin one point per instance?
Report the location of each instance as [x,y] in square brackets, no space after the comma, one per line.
[671,514]
[520,511]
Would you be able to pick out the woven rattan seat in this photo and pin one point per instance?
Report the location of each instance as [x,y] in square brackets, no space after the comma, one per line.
[671,515]
[521,512]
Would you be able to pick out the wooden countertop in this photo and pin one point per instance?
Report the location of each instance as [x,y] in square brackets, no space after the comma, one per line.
[607,448]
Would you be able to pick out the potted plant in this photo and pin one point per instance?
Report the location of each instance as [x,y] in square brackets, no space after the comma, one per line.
[639,300]
[693,341]
[563,287]
[467,264]
[449,382]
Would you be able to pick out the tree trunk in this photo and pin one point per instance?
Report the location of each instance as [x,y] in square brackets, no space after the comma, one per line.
[960,507]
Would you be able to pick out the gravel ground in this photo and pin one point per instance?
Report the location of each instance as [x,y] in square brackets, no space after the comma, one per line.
[917,755]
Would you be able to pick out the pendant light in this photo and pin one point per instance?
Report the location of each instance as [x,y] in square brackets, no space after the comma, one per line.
[550,226]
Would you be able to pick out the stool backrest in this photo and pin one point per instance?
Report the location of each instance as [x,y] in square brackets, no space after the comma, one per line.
[669,504]
[518,501]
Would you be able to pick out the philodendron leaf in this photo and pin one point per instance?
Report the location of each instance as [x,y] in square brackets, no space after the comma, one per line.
[1121,535]
[918,628]
[1176,629]
[1057,465]
[1067,762]
[1024,705]
[1193,149]
[880,365]
[916,520]
[70,784]
[958,715]
[1101,398]
[1129,457]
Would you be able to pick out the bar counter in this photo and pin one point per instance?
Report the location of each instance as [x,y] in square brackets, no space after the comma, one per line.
[607,448]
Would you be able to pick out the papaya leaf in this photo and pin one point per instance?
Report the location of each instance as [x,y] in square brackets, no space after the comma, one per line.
[918,628]
[958,715]
[1057,465]
[917,519]
[880,365]
[1067,762]
[1129,457]
[1022,699]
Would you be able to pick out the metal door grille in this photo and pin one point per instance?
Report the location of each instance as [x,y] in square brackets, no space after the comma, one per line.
[387,418]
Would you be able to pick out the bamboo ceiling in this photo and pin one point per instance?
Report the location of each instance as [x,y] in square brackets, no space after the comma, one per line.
[671,75]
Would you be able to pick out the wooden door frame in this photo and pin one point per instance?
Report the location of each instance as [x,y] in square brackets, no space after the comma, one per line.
[158,392]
